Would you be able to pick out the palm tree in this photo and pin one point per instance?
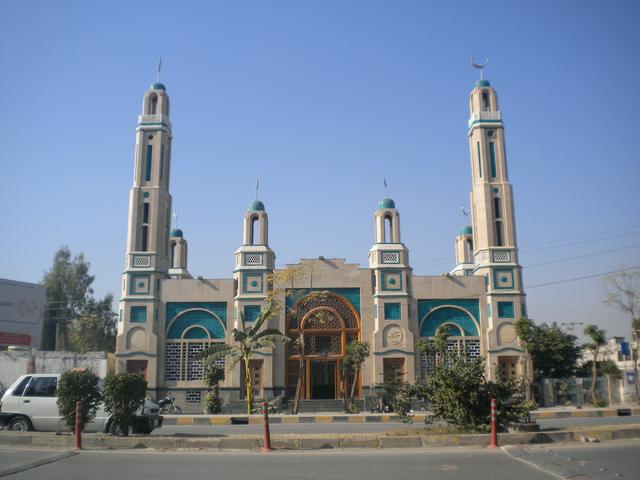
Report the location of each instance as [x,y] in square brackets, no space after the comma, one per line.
[246,342]
[599,339]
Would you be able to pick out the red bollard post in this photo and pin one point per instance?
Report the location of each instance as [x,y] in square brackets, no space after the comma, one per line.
[267,435]
[77,438]
[494,430]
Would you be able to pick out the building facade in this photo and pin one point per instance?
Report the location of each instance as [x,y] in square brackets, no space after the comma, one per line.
[166,316]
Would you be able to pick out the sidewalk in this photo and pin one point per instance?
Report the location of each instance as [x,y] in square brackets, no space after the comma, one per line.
[406,438]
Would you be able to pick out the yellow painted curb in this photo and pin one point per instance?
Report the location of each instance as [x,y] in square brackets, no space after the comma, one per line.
[219,421]
[290,420]
[543,415]
[184,421]
[419,418]
[386,418]
[324,419]
[356,419]
[580,414]
[609,413]
[253,420]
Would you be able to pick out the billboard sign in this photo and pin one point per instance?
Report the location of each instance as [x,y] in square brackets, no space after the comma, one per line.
[21,313]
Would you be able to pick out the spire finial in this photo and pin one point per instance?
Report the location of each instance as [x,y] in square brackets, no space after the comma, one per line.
[158,70]
[257,187]
[386,187]
[465,212]
[175,219]
[477,65]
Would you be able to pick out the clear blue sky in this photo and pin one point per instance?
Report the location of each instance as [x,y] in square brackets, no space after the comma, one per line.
[321,100]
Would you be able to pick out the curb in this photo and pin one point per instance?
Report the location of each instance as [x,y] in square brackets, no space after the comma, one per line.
[372,418]
[37,463]
[313,442]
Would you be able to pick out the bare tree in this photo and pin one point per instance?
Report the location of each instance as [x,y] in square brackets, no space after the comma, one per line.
[623,293]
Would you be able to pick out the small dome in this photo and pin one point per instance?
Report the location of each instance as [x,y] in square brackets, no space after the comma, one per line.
[466,230]
[176,232]
[256,206]
[158,86]
[482,83]
[386,203]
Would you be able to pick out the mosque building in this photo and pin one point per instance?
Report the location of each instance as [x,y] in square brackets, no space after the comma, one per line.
[166,316]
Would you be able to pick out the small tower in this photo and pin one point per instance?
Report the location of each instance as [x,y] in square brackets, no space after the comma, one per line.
[147,253]
[391,277]
[464,252]
[178,255]
[254,265]
[494,233]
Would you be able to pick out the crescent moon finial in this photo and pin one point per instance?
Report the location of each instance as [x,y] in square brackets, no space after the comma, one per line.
[477,65]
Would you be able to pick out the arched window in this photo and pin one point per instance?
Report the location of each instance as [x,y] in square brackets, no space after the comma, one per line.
[497,210]
[252,230]
[153,104]
[174,260]
[485,101]
[145,212]
[468,251]
[499,234]
[144,238]
[387,229]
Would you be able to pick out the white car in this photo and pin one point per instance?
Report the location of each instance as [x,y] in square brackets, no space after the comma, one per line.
[30,403]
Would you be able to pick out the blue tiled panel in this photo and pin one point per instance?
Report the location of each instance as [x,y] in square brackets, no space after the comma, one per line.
[430,324]
[217,308]
[251,313]
[505,310]
[392,311]
[196,317]
[138,315]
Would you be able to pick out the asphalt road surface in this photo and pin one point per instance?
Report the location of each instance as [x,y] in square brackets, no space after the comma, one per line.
[595,461]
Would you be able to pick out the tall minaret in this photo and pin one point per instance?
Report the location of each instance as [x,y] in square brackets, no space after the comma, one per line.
[391,278]
[147,256]
[494,233]
[254,265]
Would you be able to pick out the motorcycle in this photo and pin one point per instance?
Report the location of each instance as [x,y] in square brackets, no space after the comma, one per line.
[168,405]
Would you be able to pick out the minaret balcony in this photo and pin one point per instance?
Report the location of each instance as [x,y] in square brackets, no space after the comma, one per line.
[485,117]
[154,120]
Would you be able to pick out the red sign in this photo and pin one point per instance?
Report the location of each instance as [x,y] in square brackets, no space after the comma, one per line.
[7,338]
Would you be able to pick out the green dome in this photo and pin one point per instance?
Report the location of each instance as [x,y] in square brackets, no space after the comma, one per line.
[482,83]
[386,203]
[176,232]
[158,86]
[466,230]
[256,206]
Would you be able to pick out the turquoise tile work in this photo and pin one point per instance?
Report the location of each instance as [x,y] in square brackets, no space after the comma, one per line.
[202,318]
[138,315]
[434,313]
[505,310]
[392,311]
[219,309]
[251,313]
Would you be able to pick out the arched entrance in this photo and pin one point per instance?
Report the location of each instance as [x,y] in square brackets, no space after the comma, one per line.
[324,323]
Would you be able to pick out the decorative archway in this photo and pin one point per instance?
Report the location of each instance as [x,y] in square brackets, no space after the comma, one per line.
[326,322]
[463,330]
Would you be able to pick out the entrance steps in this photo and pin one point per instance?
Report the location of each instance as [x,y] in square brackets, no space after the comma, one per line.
[325,405]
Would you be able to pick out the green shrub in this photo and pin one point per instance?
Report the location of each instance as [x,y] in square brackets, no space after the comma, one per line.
[213,374]
[74,385]
[458,393]
[123,393]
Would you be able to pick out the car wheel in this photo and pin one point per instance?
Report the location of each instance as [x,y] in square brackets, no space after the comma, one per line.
[20,424]
[117,431]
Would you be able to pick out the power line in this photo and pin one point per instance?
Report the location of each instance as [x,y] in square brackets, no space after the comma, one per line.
[588,255]
[584,277]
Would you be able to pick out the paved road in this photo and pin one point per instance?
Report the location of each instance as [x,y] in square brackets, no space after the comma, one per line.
[304,428]
[596,461]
